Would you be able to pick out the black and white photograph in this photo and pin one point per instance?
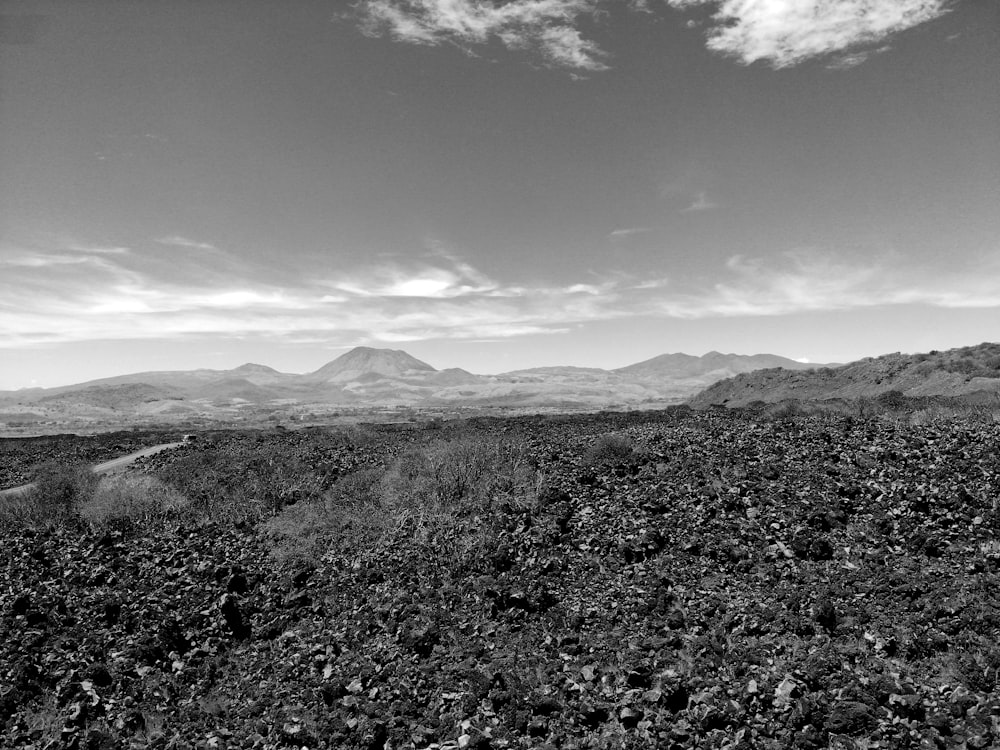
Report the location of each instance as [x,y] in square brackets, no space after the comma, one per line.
[499,374]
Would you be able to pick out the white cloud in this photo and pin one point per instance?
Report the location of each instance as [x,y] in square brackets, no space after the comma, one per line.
[178,241]
[544,25]
[50,300]
[621,234]
[809,281]
[49,297]
[700,203]
[780,32]
[425,281]
[787,32]
[96,249]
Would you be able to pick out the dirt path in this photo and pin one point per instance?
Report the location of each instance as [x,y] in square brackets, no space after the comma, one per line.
[106,467]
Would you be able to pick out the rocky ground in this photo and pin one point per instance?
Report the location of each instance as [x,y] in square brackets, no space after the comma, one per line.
[673,580]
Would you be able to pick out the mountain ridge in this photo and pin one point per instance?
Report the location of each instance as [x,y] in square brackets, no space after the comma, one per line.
[371,378]
[960,372]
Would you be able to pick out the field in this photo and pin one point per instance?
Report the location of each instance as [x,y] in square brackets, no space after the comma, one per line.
[668,579]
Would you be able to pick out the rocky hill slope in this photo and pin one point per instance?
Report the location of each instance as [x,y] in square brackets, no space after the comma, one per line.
[969,373]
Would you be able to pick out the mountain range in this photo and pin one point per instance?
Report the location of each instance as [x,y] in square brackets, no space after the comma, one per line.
[368,377]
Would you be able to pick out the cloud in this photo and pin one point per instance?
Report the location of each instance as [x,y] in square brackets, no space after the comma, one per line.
[700,203]
[52,296]
[621,234]
[547,26]
[782,33]
[48,296]
[810,281]
[75,247]
[423,281]
[177,241]
[787,32]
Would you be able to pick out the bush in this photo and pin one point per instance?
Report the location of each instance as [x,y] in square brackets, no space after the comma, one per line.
[234,486]
[430,489]
[53,498]
[131,501]
[610,449]
[64,485]
[462,476]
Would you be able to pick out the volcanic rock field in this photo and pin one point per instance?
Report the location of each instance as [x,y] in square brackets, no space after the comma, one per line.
[668,579]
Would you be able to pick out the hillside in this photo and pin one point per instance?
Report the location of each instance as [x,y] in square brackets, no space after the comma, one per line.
[965,373]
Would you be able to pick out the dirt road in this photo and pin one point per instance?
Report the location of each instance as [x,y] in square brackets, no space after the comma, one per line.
[104,468]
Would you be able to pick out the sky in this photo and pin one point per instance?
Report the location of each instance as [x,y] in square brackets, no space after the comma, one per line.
[493,184]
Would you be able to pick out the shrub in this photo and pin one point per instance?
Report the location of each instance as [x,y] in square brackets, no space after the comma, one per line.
[892,400]
[610,448]
[131,501]
[466,475]
[53,498]
[430,489]
[62,486]
[234,486]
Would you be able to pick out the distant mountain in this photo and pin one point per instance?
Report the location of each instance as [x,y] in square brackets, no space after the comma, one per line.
[963,372]
[115,396]
[367,377]
[236,389]
[259,374]
[182,379]
[716,363]
[364,362]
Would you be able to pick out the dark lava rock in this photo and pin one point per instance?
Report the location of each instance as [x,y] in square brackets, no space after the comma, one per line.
[538,727]
[848,717]
[825,614]
[593,716]
[422,641]
[100,675]
[237,584]
[377,739]
[808,545]
[231,613]
[630,717]
[112,612]
[546,706]
[21,604]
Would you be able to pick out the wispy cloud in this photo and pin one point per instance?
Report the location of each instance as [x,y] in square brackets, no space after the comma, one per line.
[787,32]
[48,296]
[424,281]
[56,296]
[178,241]
[700,203]
[548,26]
[626,232]
[810,281]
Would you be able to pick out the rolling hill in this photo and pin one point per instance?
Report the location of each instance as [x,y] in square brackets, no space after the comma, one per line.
[969,373]
[369,377]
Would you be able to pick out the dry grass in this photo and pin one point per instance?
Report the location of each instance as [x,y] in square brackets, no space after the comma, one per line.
[127,501]
[427,491]
[611,448]
[56,492]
